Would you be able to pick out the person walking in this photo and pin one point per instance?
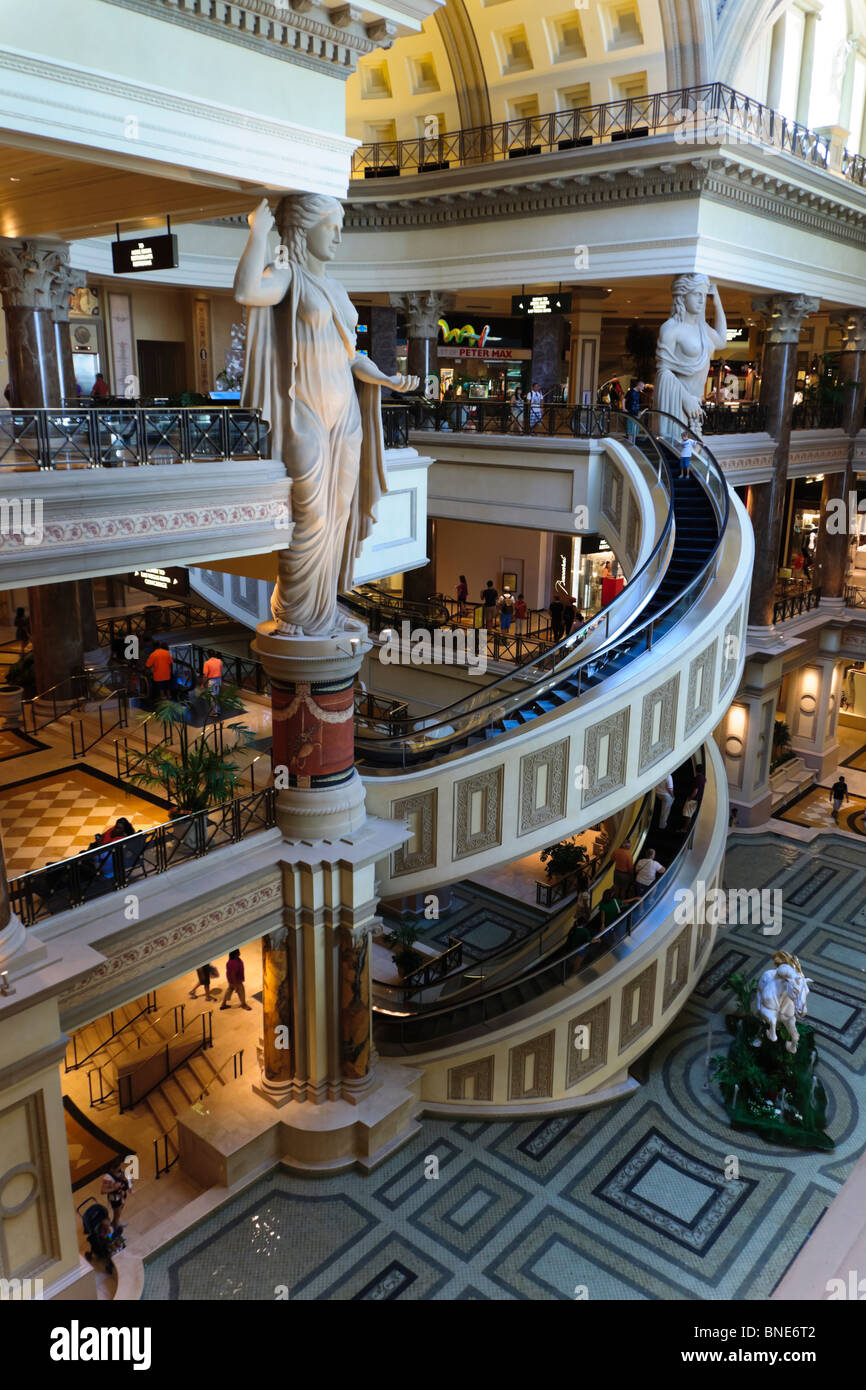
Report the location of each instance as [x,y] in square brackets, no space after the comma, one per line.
[489,595]
[100,389]
[505,608]
[213,672]
[116,1187]
[462,597]
[518,409]
[205,974]
[647,871]
[556,611]
[623,870]
[632,407]
[686,446]
[610,907]
[536,401]
[569,610]
[22,628]
[521,613]
[838,795]
[235,976]
[159,663]
[665,799]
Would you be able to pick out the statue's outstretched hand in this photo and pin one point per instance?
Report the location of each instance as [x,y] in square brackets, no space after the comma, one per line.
[261,220]
[404,383]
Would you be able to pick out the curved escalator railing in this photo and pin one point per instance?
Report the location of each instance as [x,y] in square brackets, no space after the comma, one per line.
[567,671]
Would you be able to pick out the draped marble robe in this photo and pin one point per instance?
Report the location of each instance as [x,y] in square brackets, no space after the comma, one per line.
[327,429]
[682,369]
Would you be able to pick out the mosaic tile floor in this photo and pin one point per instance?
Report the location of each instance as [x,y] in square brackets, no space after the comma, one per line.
[53,817]
[629,1201]
[815,808]
[18,745]
[484,920]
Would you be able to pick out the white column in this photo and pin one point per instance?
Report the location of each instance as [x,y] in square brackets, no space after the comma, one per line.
[777,63]
[807,63]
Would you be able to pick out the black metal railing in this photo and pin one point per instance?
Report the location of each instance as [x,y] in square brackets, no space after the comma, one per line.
[396,425]
[86,736]
[128,436]
[157,618]
[750,417]
[793,605]
[854,597]
[710,113]
[506,417]
[149,1007]
[68,883]
[161,1146]
[435,969]
[817,415]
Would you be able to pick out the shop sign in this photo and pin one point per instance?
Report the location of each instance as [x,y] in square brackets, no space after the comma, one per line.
[540,304]
[488,354]
[144,253]
[173,581]
[466,335]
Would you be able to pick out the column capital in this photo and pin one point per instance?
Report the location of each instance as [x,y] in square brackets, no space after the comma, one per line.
[853,325]
[783,315]
[66,279]
[423,309]
[28,270]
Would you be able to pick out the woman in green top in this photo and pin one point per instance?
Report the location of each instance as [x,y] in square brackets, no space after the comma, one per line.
[609,907]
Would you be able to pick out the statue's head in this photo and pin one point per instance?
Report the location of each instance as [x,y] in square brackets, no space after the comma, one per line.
[689,295]
[310,222]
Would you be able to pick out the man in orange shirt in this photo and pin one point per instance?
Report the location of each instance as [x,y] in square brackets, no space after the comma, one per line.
[213,672]
[623,870]
[159,663]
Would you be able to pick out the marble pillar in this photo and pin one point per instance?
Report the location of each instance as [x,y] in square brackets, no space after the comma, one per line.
[55,621]
[834,540]
[423,310]
[548,341]
[813,706]
[745,737]
[66,279]
[29,273]
[87,611]
[277,1049]
[319,792]
[356,1019]
[584,354]
[783,318]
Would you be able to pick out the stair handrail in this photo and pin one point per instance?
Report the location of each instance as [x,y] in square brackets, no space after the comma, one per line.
[121,695]
[451,731]
[237,1059]
[29,705]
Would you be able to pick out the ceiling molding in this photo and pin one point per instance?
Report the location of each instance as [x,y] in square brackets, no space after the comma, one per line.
[467,67]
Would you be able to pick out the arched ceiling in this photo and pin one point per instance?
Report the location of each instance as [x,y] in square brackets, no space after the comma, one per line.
[482,60]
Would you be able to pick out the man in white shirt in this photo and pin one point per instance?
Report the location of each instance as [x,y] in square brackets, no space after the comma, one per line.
[665,798]
[647,871]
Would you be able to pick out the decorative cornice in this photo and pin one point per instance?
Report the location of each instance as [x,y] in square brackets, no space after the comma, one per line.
[783,315]
[305,34]
[853,325]
[777,198]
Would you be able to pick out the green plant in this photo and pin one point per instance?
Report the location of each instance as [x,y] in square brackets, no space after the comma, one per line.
[567,857]
[195,774]
[743,989]
[403,939]
[23,673]
[640,344]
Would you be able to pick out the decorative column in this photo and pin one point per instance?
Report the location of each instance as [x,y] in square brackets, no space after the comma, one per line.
[745,737]
[777,63]
[66,279]
[12,935]
[584,354]
[55,621]
[548,341]
[277,1049]
[423,310]
[783,318]
[807,63]
[813,706]
[833,545]
[28,273]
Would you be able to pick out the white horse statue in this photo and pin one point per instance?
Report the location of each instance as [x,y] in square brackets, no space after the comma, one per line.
[781,998]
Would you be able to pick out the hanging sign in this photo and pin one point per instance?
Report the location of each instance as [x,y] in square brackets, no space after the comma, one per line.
[144,253]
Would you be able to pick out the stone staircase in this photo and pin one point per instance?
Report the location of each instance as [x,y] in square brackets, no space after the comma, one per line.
[789,780]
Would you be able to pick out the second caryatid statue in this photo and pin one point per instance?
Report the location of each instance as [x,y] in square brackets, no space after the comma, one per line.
[320,398]
[302,371]
[686,346]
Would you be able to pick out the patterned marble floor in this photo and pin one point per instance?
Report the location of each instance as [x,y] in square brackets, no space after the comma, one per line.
[629,1201]
[484,920]
[815,809]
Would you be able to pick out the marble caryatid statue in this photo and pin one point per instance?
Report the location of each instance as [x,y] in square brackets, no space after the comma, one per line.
[685,348]
[302,368]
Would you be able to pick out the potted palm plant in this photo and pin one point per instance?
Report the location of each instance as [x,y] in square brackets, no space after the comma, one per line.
[404,956]
[193,771]
[565,858]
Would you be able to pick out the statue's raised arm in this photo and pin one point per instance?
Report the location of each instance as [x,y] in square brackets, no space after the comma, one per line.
[256,282]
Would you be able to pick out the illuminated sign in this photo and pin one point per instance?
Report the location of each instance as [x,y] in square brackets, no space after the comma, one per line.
[737,335]
[174,581]
[144,253]
[487,354]
[467,334]
[527,304]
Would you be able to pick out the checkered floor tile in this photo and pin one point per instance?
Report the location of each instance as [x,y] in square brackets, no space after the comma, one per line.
[57,816]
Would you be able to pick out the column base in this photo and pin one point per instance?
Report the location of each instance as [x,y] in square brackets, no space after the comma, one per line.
[752,813]
[322,813]
[13,938]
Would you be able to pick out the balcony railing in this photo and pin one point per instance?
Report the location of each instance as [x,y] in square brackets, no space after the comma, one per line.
[794,605]
[817,415]
[89,436]
[693,115]
[70,882]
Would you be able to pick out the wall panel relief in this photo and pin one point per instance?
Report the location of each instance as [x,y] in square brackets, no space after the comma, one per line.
[478,813]
[604,756]
[699,700]
[613,490]
[29,1239]
[542,787]
[587,1050]
[530,1068]
[658,724]
[419,812]
[472,1081]
[677,965]
[636,1006]
[632,540]
[731,649]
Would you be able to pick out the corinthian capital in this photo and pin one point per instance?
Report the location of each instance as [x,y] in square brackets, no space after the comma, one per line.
[423,310]
[852,322]
[28,270]
[784,314]
[66,279]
